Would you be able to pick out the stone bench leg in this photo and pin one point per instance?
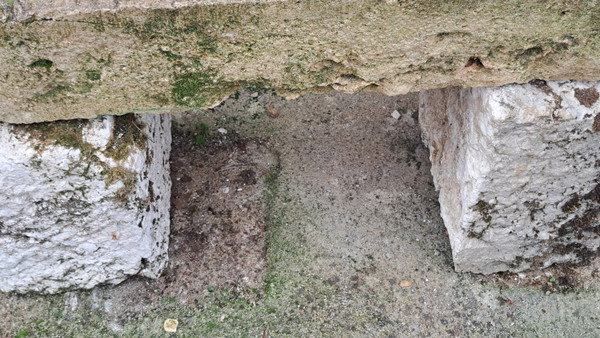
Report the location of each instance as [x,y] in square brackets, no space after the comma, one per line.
[83,202]
[518,171]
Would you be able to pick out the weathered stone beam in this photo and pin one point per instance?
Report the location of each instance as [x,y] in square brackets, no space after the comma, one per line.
[83,202]
[24,9]
[79,59]
[518,171]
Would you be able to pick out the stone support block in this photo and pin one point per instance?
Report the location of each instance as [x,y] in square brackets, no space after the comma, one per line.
[518,171]
[83,202]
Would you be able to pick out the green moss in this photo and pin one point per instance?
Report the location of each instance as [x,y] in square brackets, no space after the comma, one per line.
[323,76]
[201,134]
[127,177]
[93,75]
[261,86]
[190,88]
[529,52]
[163,22]
[64,133]
[86,87]
[51,93]
[207,44]
[42,63]
[22,333]
[168,24]
[170,55]
[127,133]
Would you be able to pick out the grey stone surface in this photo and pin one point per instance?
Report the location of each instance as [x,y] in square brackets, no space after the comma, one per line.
[83,202]
[517,168]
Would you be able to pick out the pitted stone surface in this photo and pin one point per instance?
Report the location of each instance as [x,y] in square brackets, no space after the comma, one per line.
[83,203]
[517,168]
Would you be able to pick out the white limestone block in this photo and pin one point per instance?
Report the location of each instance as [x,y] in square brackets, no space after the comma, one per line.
[83,202]
[517,168]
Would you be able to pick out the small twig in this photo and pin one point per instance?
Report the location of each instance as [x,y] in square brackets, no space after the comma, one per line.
[138,128]
[266,331]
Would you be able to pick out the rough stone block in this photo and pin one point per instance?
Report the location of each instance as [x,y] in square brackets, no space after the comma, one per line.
[517,168]
[83,202]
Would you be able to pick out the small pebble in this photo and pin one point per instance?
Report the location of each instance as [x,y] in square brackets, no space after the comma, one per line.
[272,112]
[396,114]
[226,190]
[222,131]
[171,325]
[405,283]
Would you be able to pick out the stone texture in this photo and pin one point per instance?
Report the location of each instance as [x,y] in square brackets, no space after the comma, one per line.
[77,59]
[55,9]
[83,202]
[517,168]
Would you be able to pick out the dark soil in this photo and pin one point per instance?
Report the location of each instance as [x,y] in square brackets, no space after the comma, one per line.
[217,213]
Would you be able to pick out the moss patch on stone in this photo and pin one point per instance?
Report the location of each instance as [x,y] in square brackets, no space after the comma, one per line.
[189,88]
[62,133]
[52,92]
[127,133]
[42,63]
[93,75]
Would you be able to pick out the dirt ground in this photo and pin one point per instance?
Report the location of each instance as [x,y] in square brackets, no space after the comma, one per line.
[312,217]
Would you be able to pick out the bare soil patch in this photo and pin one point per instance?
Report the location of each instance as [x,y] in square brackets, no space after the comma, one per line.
[217,229]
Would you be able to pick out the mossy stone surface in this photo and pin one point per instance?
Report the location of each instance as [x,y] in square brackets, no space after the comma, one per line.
[196,56]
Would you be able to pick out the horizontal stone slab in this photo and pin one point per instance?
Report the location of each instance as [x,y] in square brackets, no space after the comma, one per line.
[65,59]
[25,9]
[518,172]
[83,202]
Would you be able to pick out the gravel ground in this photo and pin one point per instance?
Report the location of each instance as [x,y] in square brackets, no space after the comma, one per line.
[354,243]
